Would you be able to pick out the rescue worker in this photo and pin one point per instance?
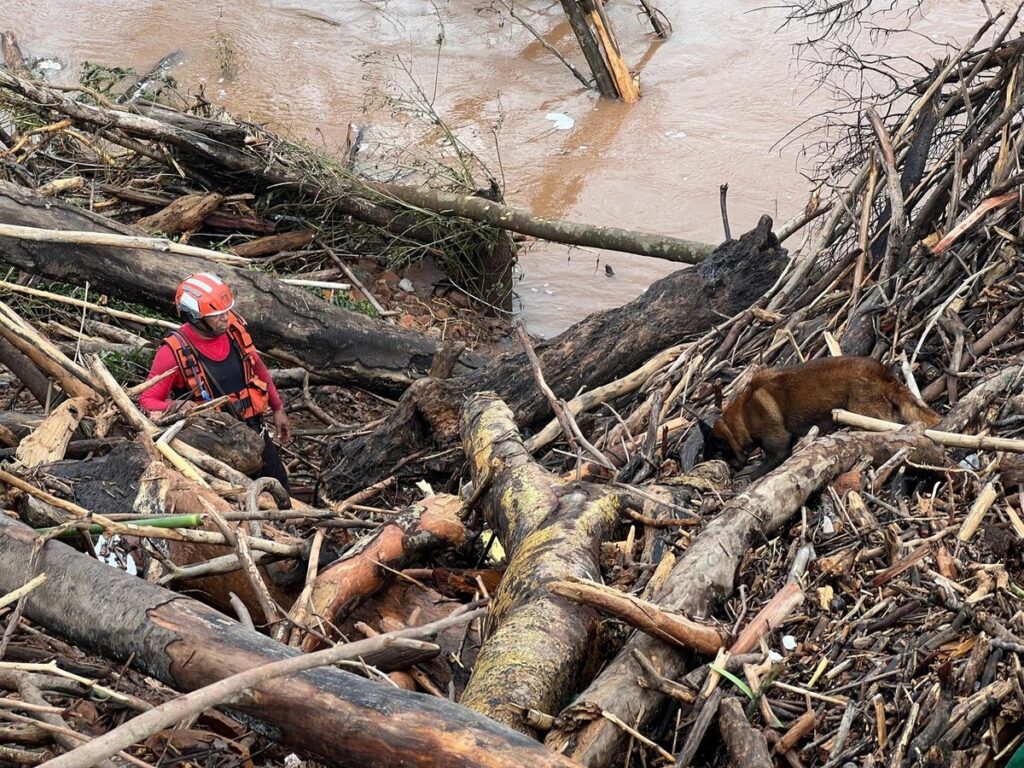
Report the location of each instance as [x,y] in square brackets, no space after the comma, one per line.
[214,356]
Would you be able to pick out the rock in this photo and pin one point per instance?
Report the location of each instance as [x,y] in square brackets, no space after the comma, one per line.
[459,299]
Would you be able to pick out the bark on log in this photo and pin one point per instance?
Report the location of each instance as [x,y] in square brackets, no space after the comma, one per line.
[705,575]
[603,347]
[265,246]
[747,745]
[225,438]
[430,525]
[538,645]
[345,719]
[481,209]
[182,215]
[21,424]
[284,320]
[591,50]
[25,370]
[214,129]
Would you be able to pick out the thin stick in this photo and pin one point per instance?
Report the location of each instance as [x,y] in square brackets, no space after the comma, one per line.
[723,190]
[15,595]
[360,287]
[898,217]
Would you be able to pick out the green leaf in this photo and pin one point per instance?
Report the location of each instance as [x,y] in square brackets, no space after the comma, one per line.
[737,682]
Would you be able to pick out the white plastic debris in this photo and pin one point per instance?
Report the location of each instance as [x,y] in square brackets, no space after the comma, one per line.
[561,120]
[827,526]
[971,462]
[406,285]
[789,642]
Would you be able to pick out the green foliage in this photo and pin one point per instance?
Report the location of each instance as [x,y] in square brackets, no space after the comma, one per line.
[345,301]
[129,368]
[103,79]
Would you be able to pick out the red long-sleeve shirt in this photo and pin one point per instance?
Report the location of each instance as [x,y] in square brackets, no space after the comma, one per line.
[157,397]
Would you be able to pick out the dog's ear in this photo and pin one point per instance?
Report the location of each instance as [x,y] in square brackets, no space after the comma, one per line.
[718,395]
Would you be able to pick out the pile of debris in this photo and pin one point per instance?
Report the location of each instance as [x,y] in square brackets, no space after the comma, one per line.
[522,560]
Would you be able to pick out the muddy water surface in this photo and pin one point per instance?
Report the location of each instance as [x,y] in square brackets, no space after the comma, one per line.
[716,97]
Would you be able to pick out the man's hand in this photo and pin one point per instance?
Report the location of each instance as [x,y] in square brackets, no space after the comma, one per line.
[180,406]
[282,426]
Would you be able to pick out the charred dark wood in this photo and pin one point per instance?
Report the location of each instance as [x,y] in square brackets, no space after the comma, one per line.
[599,349]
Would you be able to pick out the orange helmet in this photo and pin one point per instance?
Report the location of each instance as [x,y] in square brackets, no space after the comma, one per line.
[202,295]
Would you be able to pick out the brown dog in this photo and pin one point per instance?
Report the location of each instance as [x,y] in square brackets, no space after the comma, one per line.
[779,406]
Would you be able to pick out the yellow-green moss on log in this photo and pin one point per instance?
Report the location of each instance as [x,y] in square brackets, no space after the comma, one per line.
[539,646]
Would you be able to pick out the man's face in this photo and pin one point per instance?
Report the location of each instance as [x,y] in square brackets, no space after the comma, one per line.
[218,324]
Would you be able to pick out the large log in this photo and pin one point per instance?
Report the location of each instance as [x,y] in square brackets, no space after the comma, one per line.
[284,320]
[601,348]
[539,645]
[703,576]
[345,719]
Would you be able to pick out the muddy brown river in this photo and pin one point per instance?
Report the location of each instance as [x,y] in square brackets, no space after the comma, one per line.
[716,97]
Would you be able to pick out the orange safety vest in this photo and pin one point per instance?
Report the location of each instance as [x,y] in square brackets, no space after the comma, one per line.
[253,400]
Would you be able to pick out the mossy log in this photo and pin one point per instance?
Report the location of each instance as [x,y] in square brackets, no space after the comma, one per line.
[538,646]
[705,575]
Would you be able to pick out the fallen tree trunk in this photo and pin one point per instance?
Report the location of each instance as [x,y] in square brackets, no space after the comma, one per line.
[538,645]
[556,230]
[703,576]
[345,719]
[285,321]
[599,349]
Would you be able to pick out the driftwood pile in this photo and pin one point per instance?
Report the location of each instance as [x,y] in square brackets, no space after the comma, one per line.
[523,561]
